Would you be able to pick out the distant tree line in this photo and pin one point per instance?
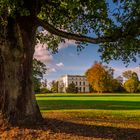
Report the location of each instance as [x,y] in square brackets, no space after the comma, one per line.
[101,79]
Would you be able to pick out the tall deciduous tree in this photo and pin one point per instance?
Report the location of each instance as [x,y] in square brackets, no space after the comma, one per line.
[116,32]
[100,77]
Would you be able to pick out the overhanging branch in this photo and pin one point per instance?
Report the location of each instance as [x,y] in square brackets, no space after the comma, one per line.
[71,36]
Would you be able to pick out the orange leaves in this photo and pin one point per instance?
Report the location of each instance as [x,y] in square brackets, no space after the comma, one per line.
[99,77]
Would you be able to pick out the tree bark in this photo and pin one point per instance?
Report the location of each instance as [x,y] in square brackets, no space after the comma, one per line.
[17,100]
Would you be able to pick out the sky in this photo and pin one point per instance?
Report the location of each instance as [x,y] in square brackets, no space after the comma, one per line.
[68,61]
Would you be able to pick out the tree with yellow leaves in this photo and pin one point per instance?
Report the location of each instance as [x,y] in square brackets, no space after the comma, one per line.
[100,77]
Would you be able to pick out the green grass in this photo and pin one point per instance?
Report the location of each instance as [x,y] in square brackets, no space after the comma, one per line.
[126,106]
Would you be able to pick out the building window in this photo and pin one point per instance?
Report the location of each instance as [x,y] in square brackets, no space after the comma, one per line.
[80,83]
[83,83]
[83,89]
[76,89]
[75,83]
[79,89]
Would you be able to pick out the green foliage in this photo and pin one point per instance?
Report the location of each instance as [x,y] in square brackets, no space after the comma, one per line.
[39,69]
[135,76]
[138,88]
[85,17]
[131,85]
[73,16]
[36,84]
[117,29]
[126,25]
[54,87]
[114,85]
[45,90]
[72,88]
[12,8]
[80,17]
[127,74]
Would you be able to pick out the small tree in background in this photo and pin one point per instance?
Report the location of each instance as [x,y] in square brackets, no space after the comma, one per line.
[39,69]
[117,84]
[131,85]
[127,74]
[114,85]
[72,88]
[54,86]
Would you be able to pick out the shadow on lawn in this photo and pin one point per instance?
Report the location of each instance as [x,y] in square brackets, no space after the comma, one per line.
[88,104]
[92,131]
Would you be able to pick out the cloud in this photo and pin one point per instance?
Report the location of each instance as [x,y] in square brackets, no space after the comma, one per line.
[45,56]
[60,64]
[66,44]
[51,70]
[42,54]
[119,71]
[136,69]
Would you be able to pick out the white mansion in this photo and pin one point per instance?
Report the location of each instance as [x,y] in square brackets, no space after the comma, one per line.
[80,82]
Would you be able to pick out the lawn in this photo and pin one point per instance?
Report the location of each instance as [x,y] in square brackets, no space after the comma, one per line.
[83,117]
[118,106]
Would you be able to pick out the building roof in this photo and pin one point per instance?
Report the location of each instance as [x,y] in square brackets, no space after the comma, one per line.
[69,75]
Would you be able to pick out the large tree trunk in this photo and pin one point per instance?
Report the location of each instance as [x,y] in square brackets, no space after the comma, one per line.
[17,100]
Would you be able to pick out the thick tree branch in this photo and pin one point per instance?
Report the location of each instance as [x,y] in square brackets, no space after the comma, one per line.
[71,36]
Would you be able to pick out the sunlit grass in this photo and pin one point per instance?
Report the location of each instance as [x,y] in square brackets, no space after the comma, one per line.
[116,106]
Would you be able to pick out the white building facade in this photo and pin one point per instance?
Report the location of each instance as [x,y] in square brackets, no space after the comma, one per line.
[80,82]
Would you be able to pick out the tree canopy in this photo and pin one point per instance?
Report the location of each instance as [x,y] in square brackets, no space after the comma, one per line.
[100,77]
[114,25]
[127,74]
[131,85]
[132,82]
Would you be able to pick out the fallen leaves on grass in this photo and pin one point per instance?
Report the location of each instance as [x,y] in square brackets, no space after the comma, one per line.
[61,126]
